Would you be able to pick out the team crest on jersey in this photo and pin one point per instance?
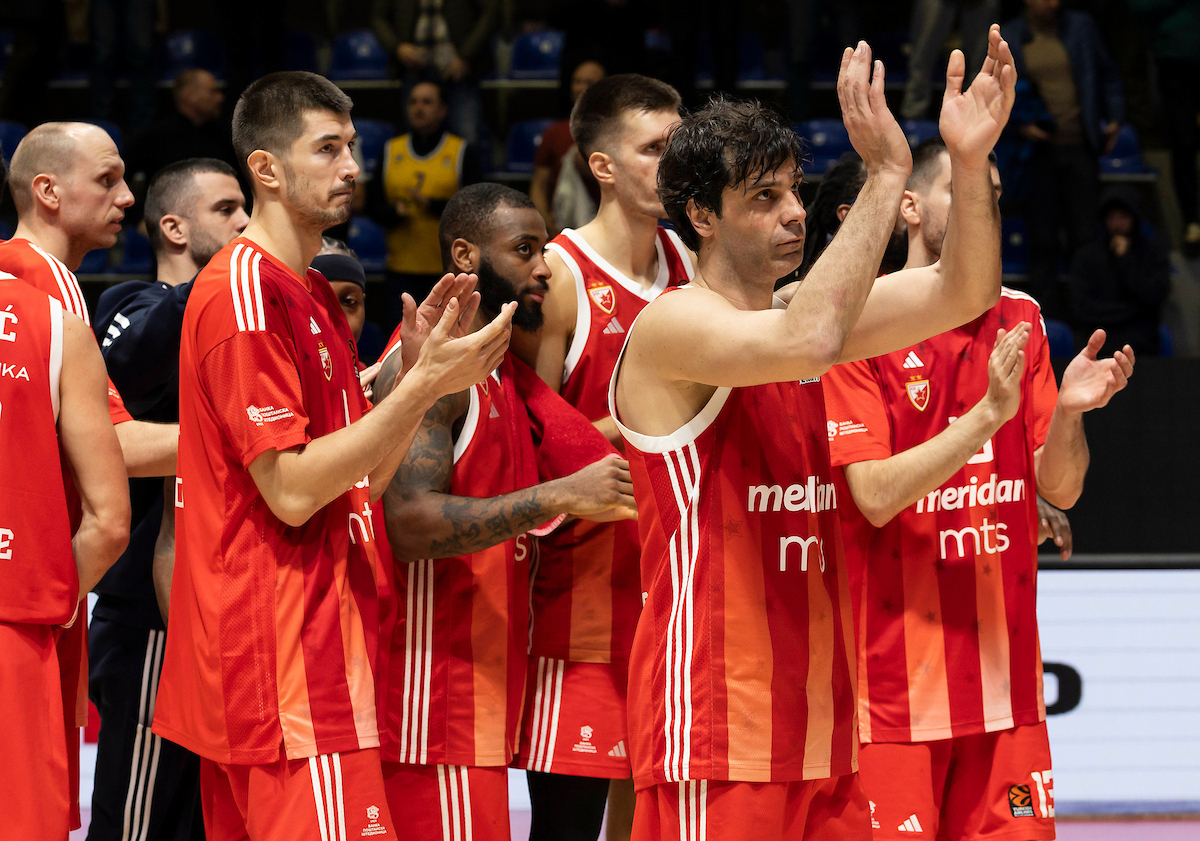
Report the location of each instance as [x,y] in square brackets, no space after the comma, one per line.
[604,297]
[918,393]
[326,360]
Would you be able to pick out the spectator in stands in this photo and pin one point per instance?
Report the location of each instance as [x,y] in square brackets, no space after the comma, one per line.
[339,264]
[1176,34]
[419,172]
[194,129]
[611,32]
[123,33]
[447,39]
[1120,281]
[553,149]
[929,28]
[1061,52]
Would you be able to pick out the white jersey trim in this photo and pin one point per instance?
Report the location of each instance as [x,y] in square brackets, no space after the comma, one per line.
[68,285]
[469,425]
[682,251]
[660,281]
[56,353]
[583,313]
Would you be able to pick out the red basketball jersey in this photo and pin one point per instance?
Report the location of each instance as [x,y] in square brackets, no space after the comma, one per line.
[742,665]
[42,270]
[586,593]
[41,584]
[945,594]
[457,661]
[273,627]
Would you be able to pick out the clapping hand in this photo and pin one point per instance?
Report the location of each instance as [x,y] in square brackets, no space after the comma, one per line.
[971,122]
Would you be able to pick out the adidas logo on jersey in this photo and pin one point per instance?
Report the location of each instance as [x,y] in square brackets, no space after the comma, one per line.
[312,326]
[614,327]
[493,413]
[618,750]
[913,361]
[910,825]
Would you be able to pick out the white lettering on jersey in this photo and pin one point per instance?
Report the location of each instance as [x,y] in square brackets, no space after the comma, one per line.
[7,315]
[14,373]
[982,538]
[262,415]
[366,527]
[995,490]
[810,496]
[6,538]
[804,543]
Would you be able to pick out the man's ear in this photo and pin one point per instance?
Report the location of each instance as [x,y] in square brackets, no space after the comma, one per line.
[265,168]
[46,191]
[601,165]
[910,210]
[174,230]
[842,210]
[464,256]
[701,218]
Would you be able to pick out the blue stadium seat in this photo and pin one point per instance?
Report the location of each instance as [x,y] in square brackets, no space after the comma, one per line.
[918,131]
[300,52]
[1166,341]
[190,48]
[1014,245]
[751,59]
[136,257]
[10,135]
[358,55]
[368,242]
[536,55]
[1060,337]
[372,135]
[827,139]
[94,262]
[1126,156]
[523,139]
[114,130]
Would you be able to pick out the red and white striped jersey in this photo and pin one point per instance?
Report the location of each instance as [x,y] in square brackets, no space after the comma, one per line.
[457,662]
[743,661]
[586,593]
[945,595]
[273,627]
[41,584]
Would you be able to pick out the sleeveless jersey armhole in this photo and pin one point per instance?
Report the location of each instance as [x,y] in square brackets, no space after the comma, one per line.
[583,313]
[56,354]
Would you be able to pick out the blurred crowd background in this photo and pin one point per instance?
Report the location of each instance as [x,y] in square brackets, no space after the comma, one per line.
[1098,165]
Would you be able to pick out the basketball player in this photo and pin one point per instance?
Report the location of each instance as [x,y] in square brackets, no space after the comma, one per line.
[458,512]
[741,698]
[586,594]
[53,421]
[145,785]
[267,673]
[944,446]
[68,185]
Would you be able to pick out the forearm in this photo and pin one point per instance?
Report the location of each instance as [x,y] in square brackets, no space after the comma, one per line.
[971,250]
[382,475]
[97,544]
[1064,460]
[608,428]
[149,449]
[883,488]
[437,525]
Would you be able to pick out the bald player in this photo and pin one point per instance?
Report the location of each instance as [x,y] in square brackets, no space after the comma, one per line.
[68,184]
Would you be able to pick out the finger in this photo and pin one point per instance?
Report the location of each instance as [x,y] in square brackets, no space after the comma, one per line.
[993,51]
[1123,363]
[437,295]
[1127,351]
[844,77]
[408,308]
[1095,343]
[1068,545]
[876,95]
[955,71]
[441,330]
[860,68]
[1007,72]
[470,308]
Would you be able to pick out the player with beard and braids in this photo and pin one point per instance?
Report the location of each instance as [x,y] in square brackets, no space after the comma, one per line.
[458,513]
[941,447]
[742,679]
[839,188]
[193,208]
[274,604]
[587,595]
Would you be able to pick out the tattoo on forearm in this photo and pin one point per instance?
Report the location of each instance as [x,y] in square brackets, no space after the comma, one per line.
[482,523]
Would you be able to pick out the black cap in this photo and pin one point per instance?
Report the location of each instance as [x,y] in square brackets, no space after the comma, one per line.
[341,267]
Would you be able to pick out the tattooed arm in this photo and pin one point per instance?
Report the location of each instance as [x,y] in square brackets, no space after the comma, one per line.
[425,521]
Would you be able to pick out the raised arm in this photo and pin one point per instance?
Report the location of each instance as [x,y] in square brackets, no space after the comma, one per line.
[914,304]
[93,455]
[425,521]
[882,488]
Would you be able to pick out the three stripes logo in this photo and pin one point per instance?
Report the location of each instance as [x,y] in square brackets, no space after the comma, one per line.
[910,825]
[614,327]
[619,750]
[913,361]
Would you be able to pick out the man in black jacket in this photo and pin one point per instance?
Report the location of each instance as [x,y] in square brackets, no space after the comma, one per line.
[1120,281]
[193,208]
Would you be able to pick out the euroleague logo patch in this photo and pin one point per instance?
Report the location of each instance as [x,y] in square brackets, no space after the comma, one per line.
[1020,801]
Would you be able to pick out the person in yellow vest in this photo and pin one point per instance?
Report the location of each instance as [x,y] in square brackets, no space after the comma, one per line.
[419,172]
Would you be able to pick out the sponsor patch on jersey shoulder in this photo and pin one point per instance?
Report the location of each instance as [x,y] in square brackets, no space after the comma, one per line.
[262,415]
[604,297]
[848,427]
[918,393]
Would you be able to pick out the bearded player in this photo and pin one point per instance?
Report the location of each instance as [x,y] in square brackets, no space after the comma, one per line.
[944,446]
[586,594]
[458,512]
[273,606]
[742,689]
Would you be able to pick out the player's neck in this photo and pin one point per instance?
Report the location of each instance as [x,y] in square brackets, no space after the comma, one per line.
[51,239]
[626,240]
[175,268]
[719,273]
[275,231]
[918,255]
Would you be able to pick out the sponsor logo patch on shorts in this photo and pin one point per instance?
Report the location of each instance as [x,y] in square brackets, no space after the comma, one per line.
[1020,801]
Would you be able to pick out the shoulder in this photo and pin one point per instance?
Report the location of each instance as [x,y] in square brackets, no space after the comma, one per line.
[676,311]
[1014,300]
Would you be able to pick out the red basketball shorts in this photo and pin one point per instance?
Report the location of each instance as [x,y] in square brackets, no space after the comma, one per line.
[35,799]
[332,797]
[991,785]
[575,719]
[809,810]
[448,802]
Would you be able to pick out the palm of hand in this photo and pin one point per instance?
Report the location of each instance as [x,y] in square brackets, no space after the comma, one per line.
[971,122]
[1088,383]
